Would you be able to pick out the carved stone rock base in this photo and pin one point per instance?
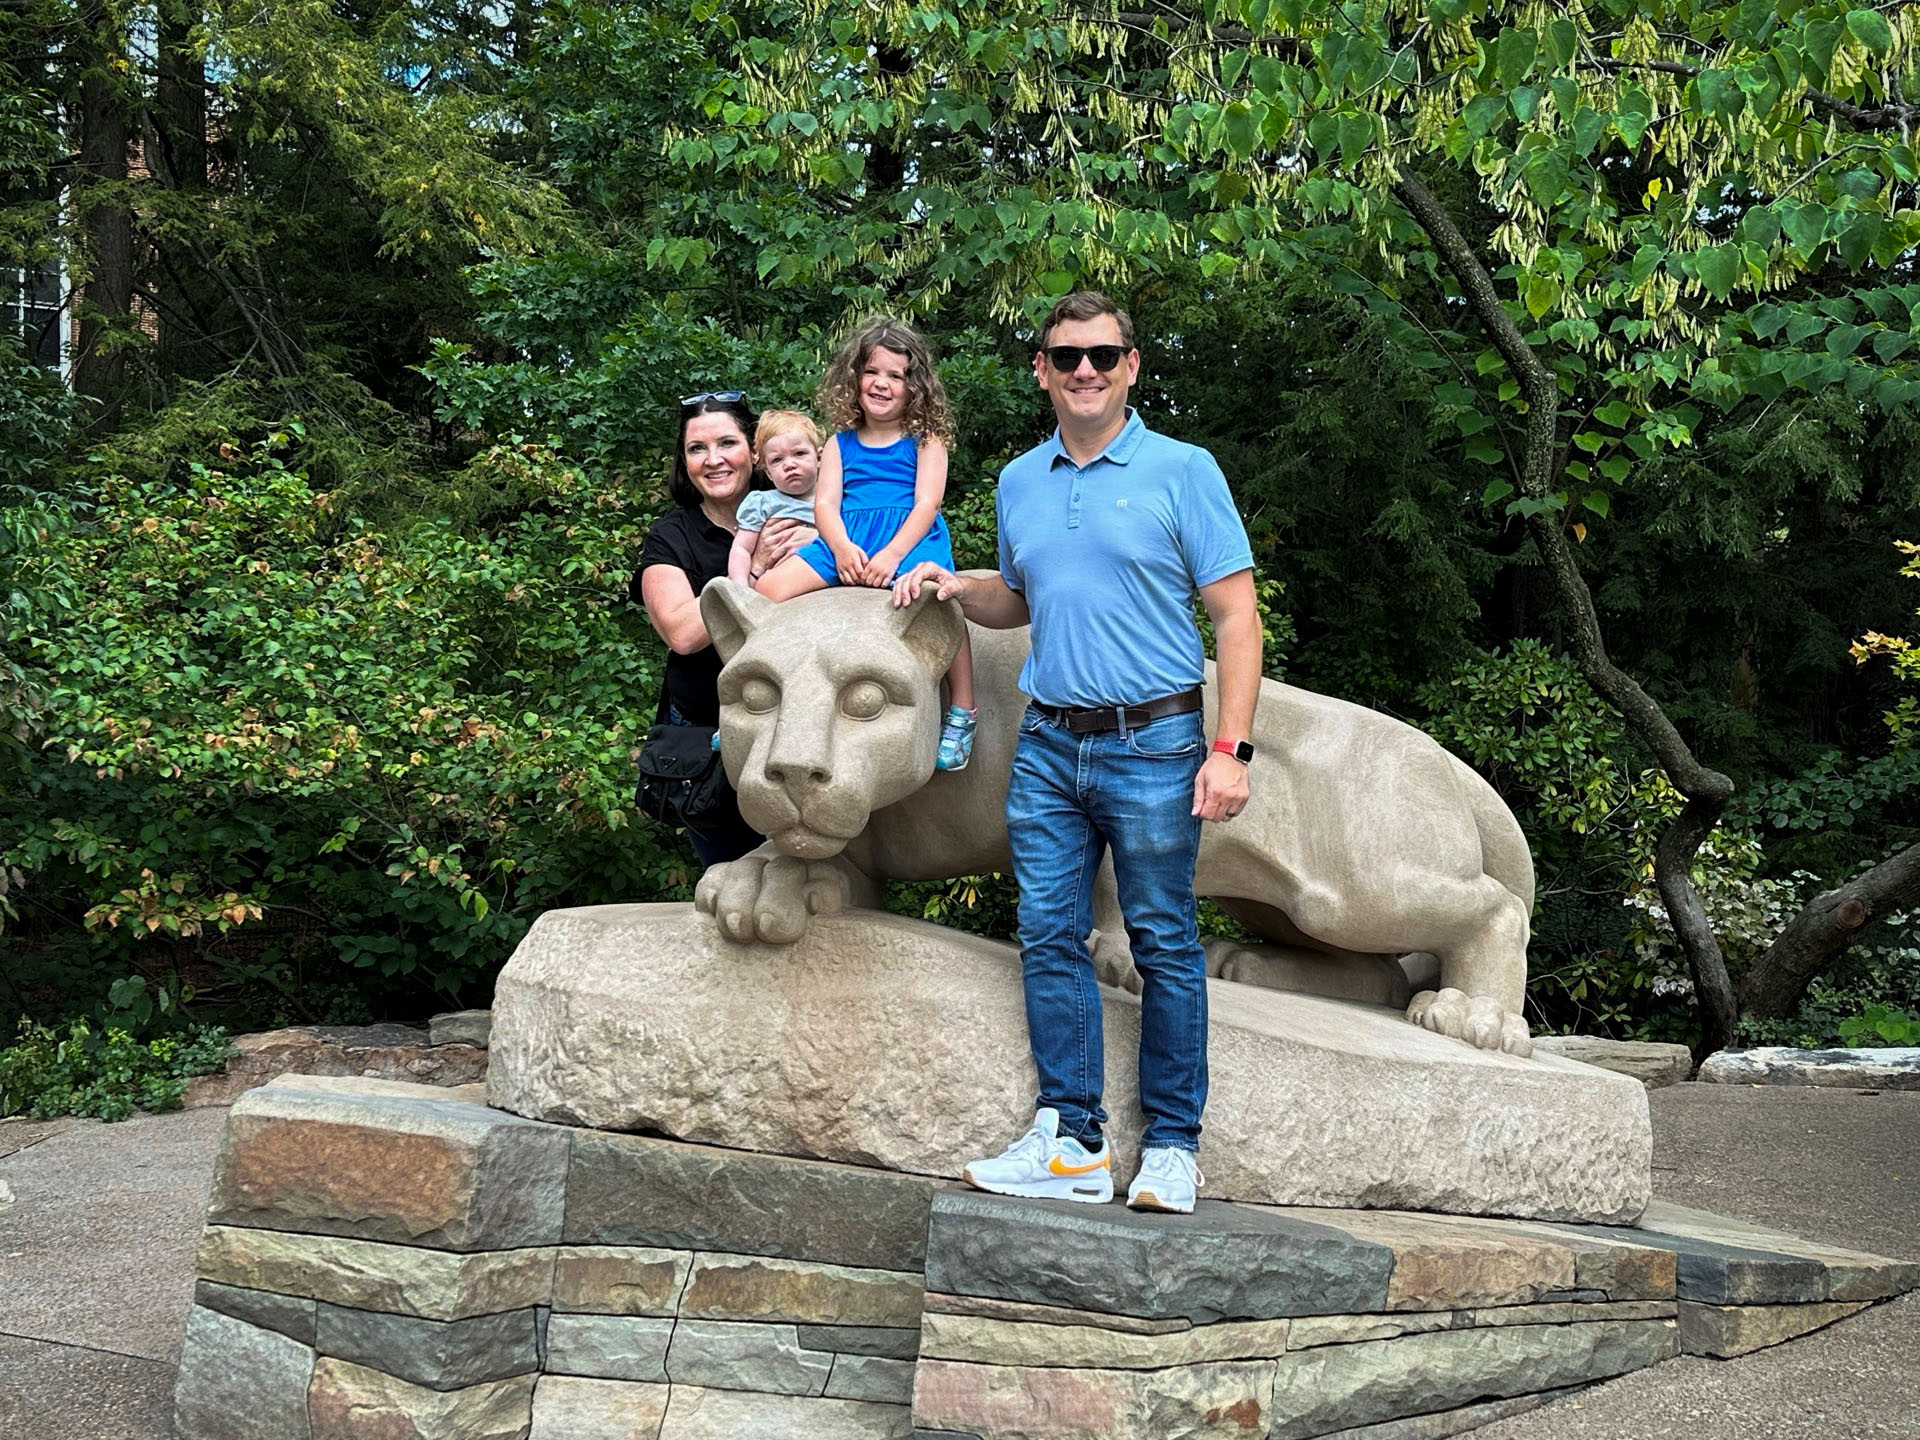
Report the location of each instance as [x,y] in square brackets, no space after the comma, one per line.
[882,1041]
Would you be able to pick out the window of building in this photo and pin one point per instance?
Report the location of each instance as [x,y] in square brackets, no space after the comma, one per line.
[30,308]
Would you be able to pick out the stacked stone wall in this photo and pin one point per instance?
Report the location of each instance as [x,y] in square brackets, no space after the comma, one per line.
[402,1262]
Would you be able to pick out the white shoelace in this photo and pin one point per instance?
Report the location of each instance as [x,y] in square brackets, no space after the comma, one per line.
[1031,1145]
[1166,1162]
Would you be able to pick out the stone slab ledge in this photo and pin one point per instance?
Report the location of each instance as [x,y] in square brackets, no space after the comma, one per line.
[452,1052]
[1653,1063]
[1890,1068]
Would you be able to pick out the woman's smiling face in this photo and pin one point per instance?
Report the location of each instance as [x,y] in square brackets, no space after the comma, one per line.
[719,459]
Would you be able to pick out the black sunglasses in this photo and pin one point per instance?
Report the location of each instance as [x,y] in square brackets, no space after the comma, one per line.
[725,397]
[1066,358]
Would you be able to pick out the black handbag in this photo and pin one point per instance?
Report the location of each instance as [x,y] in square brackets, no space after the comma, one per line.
[681,778]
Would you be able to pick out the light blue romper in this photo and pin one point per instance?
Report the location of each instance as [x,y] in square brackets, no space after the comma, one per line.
[876,497]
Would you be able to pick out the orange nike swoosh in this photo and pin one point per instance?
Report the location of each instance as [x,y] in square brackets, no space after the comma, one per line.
[1057,1168]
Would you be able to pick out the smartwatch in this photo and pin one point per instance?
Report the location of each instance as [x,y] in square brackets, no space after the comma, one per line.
[1241,750]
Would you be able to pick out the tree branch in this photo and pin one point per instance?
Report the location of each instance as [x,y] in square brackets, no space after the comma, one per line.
[1893,116]
[1707,791]
[1829,924]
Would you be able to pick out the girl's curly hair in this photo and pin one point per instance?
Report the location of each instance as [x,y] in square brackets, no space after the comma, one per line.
[926,417]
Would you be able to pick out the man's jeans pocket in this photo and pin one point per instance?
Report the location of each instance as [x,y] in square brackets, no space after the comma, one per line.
[1177,737]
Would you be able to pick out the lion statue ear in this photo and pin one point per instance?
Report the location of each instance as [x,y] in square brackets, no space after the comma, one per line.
[931,629]
[731,612]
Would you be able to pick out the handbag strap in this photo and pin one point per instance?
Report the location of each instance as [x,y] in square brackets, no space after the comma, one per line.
[663,707]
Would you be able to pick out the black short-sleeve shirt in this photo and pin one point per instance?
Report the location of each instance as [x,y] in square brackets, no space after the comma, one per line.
[690,542]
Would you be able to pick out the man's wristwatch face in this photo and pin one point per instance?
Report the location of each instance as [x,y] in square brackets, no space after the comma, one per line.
[1241,750]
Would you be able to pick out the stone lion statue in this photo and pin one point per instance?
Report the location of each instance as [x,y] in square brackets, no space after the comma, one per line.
[1363,839]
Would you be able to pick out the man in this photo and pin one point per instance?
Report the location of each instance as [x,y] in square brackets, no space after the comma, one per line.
[1107,531]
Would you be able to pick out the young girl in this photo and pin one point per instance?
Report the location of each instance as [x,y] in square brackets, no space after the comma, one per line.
[786,445]
[882,478]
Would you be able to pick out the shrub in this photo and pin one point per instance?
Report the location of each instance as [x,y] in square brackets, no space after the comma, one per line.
[1870,998]
[1604,958]
[1881,1025]
[103,1075]
[1557,754]
[294,743]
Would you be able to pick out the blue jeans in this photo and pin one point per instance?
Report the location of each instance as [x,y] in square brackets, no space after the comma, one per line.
[1072,798]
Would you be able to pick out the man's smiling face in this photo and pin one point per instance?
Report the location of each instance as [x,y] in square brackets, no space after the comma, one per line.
[1082,396]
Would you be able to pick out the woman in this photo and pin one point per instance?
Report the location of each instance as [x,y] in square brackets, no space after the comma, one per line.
[712,472]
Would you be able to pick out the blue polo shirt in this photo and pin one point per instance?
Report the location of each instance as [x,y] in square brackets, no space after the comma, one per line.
[1109,556]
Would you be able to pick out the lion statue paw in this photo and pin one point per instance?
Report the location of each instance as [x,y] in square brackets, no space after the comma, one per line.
[1477,1019]
[1113,961]
[768,897]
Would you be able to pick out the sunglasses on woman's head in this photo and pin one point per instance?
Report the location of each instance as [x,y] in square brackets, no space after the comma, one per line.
[1066,358]
[724,397]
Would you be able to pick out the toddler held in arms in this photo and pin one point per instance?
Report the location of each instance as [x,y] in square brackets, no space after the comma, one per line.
[882,479]
[786,445]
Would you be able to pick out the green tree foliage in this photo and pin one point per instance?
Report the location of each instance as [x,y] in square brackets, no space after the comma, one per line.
[1517,330]
[281,710]
[1904,718]
[35,421]
[1676,202]
[311,180]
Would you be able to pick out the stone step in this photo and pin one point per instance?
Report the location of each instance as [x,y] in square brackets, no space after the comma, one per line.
[461,1027]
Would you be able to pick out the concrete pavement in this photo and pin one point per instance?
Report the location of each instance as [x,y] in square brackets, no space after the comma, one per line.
[96,1257]
[1833,1165]
[96,1271]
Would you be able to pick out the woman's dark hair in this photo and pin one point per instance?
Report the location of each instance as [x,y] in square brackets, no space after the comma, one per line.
[680,485]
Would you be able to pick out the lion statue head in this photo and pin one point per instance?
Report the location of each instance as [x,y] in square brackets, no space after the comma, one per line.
[829,706]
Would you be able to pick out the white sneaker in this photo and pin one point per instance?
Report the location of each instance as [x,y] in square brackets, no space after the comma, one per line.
[1044,1164]
[1169,1180]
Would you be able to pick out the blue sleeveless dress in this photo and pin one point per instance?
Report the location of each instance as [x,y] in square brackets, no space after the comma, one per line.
[876,497]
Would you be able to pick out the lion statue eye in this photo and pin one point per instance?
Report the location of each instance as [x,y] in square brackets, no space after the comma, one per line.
[759,695]
[863,700]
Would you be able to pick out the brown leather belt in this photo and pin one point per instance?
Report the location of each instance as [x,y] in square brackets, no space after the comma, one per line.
[1087,719]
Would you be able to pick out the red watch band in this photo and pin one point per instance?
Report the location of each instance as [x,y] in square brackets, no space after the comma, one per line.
[1228,747]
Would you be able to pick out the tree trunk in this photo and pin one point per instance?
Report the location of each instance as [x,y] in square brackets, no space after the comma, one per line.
[178,136]
[1830,923]
[107,298]
[886,164]
[176,153]
[1707,791]
[523,17]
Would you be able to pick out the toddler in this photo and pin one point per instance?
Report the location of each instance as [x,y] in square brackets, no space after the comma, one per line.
[877,502]
[786,445]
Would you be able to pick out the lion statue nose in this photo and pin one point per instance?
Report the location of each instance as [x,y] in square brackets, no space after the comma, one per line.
[797,777]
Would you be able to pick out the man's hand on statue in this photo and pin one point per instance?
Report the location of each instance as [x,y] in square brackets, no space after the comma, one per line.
[779,539]
[907,588]
[851,561]
[1221,788]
